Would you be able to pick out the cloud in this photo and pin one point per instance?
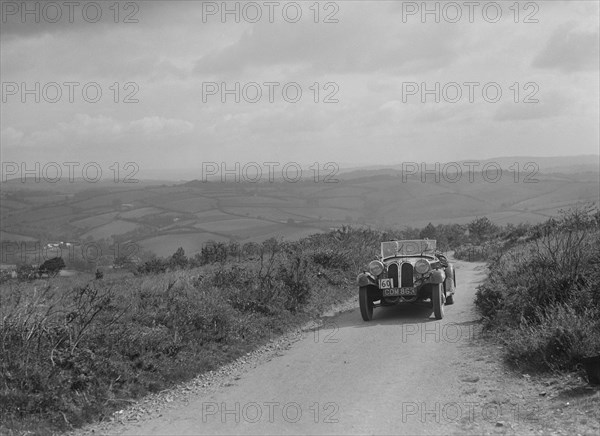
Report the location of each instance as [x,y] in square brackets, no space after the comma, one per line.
[150,126]
[570,49]
[369,54]
[366,40]
[10,137]
[549,105]
[87,129]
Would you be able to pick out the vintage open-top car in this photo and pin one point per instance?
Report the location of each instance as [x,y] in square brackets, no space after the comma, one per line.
[407,271]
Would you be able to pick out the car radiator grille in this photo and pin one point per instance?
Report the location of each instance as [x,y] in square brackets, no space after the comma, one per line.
[407,275]
[405,279]
[392,273]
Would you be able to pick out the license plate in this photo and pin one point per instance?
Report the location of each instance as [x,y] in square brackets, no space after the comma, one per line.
[394,292]
[386,283]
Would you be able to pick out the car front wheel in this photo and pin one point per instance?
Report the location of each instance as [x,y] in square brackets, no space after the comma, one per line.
[366,304]
[437,298]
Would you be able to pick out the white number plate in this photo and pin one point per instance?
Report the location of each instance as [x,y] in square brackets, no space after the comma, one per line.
[394,292]
[386,283]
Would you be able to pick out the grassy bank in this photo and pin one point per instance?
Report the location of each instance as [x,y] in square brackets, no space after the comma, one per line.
[542,296]
[74,349]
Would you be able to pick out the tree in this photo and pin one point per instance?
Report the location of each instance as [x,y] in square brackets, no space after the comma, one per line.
[179,260]
[429,232]
[482,229]
[52,266]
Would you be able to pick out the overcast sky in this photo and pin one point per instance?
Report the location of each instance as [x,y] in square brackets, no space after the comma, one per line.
[368,61]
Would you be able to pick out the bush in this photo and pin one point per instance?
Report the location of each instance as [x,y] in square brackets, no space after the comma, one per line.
[52,266]
[26,272]
[153,266]
[333,259]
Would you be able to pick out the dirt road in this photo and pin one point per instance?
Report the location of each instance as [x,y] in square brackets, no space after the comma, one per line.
[402,373]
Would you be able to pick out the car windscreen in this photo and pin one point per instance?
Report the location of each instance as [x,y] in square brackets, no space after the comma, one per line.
[408,248]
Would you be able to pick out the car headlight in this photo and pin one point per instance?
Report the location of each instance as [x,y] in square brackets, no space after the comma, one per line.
[375,267]
[422,266]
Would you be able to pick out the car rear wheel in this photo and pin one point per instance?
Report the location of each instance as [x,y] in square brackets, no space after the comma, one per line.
[366,304]
[437,298]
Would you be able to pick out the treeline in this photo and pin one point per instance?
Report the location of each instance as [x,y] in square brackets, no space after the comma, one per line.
[449,237]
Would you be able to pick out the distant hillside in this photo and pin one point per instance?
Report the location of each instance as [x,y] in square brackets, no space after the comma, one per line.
[163,216]
[548,165]
[563,164]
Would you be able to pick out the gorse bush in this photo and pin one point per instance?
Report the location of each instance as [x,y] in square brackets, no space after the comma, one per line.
[543,295]
[334,259]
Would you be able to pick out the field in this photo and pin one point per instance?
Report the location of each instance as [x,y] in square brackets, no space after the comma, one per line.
[105,231]
[166,245]
[95,221]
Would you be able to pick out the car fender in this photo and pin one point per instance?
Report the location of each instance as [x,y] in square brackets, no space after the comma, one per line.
[450,274]
[366,279]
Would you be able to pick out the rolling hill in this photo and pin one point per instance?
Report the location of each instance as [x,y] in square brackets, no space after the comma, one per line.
[160,217]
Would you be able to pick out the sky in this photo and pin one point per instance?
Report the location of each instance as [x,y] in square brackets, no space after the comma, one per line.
[168,84]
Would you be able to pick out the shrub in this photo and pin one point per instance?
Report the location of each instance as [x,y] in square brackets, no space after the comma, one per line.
[333,259]
[26,272]
[51,266]
[153,266]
